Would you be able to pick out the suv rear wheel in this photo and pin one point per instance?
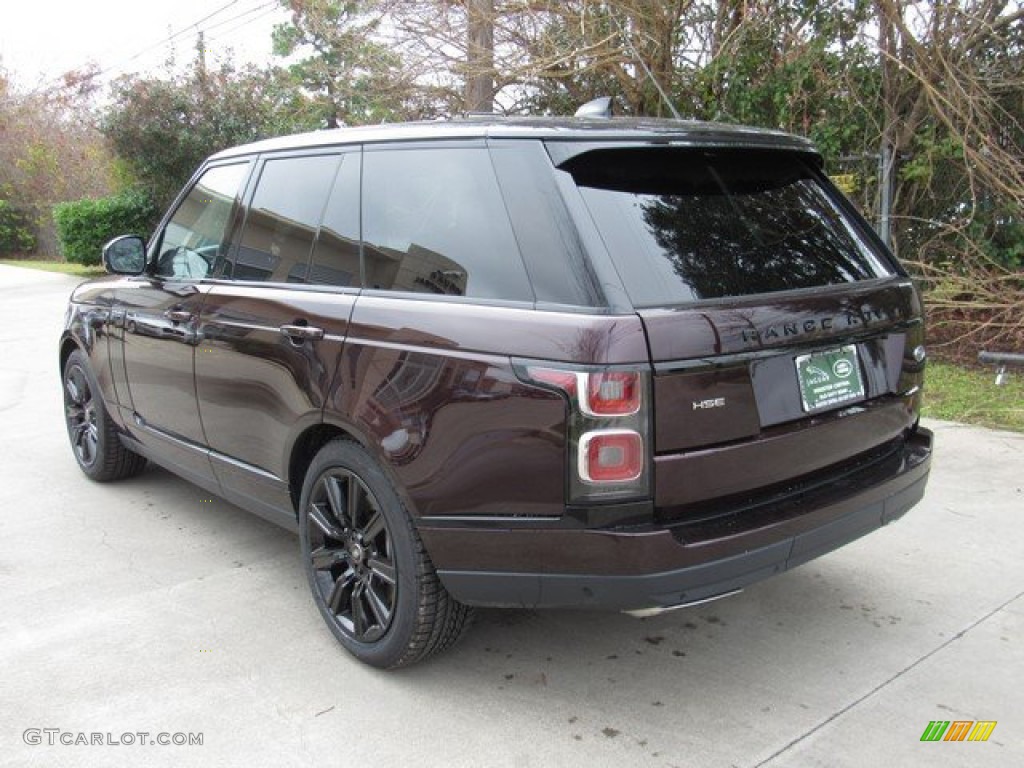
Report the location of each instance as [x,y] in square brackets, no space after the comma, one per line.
[370,576]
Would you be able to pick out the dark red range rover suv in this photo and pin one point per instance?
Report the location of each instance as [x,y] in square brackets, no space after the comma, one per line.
[616,363]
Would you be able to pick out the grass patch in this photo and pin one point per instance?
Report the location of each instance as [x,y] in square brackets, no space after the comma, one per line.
[78,270]
[970,396]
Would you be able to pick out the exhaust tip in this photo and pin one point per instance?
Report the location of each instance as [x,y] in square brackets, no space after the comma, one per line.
[646,613]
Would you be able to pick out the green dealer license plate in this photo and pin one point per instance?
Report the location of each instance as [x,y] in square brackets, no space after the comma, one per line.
[829,378]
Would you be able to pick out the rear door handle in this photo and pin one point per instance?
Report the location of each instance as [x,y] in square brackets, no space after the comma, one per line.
[300,333]
[179,315]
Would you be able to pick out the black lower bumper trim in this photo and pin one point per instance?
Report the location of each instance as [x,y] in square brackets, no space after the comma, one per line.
[693,583]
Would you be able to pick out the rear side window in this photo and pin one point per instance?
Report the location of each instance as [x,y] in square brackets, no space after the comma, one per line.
[547,236]
[283,218]
[686,225]
[336,254]
[434,222]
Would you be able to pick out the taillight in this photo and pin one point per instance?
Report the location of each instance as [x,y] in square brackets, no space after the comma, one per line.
[612,393]
[606,427]
[563,380]
[611,456]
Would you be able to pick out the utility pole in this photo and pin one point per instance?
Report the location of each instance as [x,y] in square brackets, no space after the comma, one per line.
[886,159]
[887,151]
[201,59]
[480,55]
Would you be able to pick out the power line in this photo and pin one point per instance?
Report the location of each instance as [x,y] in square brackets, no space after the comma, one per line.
[272,4]
[210,16]
[268,10]
[167,40]
[188,29]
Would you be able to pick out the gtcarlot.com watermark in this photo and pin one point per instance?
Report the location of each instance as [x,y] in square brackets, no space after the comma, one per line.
[54,736]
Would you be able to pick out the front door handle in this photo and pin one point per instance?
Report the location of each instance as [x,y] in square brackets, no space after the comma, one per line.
[299,333]
[179,315]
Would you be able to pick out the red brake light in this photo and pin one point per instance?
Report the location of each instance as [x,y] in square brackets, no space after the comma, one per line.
[607,423]
[611,456]
[563,380]
[613,393]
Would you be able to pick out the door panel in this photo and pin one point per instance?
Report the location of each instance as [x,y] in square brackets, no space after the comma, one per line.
[161,320]
[257,387]
[160,325]
[270,349]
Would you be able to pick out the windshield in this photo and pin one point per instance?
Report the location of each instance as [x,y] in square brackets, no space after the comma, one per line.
[686,225]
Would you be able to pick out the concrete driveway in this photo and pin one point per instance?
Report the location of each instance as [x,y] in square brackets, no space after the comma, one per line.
[148,607]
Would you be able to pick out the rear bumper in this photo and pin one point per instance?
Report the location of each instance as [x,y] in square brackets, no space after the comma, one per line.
[635,567]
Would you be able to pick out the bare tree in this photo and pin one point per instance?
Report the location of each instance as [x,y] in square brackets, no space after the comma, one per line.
[479,55]
[953,99]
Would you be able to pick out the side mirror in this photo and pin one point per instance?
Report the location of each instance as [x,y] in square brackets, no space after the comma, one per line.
[125,255]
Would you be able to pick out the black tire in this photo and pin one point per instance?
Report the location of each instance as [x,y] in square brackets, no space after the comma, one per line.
[94,438]
[370,577]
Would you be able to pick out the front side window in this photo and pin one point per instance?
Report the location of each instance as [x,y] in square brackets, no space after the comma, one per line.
[687,225]
[434,222]
[282,220]
[196,236]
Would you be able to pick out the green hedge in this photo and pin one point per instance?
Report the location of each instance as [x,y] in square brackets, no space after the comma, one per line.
[16,236]
[84,226]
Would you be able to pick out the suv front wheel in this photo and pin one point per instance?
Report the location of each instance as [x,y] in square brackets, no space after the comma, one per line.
[94,439]
[370,576]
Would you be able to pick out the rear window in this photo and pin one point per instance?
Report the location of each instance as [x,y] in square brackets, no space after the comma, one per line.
[686,225]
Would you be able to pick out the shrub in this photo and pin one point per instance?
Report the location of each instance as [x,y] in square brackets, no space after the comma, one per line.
[16,235]
[84,226]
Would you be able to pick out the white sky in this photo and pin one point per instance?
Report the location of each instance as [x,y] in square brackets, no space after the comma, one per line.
[42,39]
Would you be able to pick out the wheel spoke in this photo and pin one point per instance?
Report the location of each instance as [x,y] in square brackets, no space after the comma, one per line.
[359,622]
[337,599]
[335,500]
[381,611]
[383,569]
[84,440]
[90,445]
[325,558]
[354,499]
[373,528]
[78,433]
[321,517]
[82,387]
[74,387]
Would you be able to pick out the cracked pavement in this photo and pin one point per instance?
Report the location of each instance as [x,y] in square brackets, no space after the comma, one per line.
[142,606]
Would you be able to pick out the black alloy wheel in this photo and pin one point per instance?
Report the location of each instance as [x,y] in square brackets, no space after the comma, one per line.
[351,555]
[80,412]
[94,438]
[370,576]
